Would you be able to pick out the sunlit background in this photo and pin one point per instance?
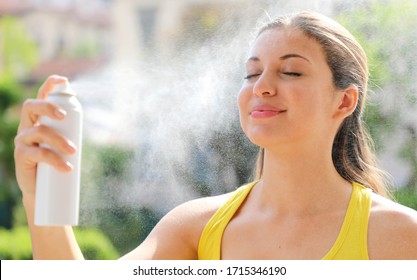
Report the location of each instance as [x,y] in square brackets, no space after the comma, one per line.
[158,81]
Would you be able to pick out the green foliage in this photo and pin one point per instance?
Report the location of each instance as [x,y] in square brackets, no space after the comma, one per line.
[7,134]
[127,227]
[114,160]
[407,197]
[5,208]
[19,215]
[10,95]
[95,245]
[237,154]
[408,152]
[386,31]
[15,244]
[106,171]
[18,51]
[18,55]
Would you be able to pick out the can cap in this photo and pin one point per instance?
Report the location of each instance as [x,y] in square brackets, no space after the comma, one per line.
[63,87]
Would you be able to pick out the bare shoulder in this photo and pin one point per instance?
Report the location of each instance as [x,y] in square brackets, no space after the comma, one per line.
[392,230]
[177,234]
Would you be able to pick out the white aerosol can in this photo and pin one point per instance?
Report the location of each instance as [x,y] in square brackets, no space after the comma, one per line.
[58,193]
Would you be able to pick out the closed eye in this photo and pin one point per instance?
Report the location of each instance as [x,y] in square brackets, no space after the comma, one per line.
[251,76]
[294,74]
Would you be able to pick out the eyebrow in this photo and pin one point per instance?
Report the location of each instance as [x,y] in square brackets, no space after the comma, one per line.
[284,57]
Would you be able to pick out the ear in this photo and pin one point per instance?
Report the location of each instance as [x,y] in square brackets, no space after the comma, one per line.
[346,102]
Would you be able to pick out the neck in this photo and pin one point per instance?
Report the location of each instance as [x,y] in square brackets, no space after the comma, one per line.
[301,180]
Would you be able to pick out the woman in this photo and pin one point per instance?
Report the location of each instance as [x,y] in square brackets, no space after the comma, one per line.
[319,193]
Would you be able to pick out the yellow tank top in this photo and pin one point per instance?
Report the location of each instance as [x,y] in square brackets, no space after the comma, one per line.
[351,243]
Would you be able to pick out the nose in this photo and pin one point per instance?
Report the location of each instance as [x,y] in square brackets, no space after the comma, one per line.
[265,86]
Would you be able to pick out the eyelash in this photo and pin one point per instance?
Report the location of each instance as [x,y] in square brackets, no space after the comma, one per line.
[293,74]
[250,76]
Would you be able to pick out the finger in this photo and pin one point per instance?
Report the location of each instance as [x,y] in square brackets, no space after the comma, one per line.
[49,85]
[32,109]
[31,156]
[41,134]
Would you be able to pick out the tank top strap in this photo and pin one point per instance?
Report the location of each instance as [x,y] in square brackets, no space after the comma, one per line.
[209,246]
[352,241]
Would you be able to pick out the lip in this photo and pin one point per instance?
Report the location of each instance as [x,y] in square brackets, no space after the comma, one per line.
[265,111]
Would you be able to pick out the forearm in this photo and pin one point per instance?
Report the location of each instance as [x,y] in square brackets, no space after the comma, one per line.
[56,242]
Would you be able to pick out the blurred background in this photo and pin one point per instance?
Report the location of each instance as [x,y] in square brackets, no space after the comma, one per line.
[158,81]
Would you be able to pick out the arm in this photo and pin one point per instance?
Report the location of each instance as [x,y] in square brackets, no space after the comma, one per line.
[175,237]
[51,242]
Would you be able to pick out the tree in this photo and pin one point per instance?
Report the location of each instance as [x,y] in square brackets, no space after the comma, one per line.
[18,55]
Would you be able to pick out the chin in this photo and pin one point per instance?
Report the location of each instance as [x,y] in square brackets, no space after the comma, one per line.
[262,140]
[271,140]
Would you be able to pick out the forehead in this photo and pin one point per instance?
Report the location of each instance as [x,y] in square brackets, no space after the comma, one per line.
[277,42]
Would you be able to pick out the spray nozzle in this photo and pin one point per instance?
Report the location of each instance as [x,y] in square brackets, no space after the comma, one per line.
[63,87]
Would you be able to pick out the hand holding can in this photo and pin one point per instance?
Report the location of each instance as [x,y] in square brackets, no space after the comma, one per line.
[57,193]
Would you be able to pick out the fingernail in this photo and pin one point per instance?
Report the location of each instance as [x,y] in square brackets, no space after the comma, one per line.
[60,113]
[58,78]
[71,147]
[68,166]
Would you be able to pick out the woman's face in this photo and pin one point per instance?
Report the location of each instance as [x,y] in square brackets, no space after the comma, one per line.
[288,94]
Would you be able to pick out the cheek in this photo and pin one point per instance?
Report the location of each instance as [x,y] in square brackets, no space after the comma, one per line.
[313,109]
[243,103]
[243,94]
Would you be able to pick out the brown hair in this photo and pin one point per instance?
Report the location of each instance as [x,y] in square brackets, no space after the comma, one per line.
[352,153]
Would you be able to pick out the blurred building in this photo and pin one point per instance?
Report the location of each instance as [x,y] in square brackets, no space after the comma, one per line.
[159,25]
[71,37]
[165,25]
[75,36]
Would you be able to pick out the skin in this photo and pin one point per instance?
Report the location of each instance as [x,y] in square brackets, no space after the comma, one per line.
[300,190]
